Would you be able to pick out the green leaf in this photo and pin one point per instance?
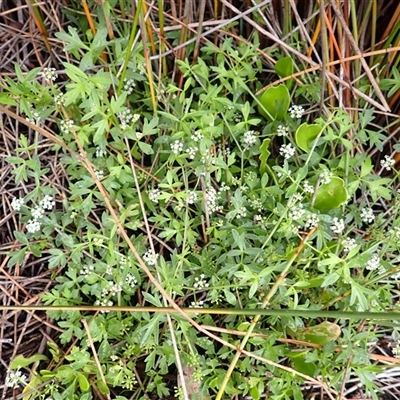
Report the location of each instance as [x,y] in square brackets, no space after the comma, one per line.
[321,334]
[275,103]
[284,67]
[331,195]
[21,362]
[145,147]
[83,382]
[103,388]
[306,134]
[265,153]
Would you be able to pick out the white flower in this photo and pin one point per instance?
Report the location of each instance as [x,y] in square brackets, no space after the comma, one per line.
[130,280]
[282,130]
[154,195]
[312,221]
[348,244]
[86,270]
[150,258]
[241,212]
[50,74]
[296,111]
[287,151]
[211,199]
[388,163]
[373,263]
[337,225]
[367,215]
[99,152]
[17,203]
[47,202]
[197,136]
[192,197]
[249,139]
[192,152]
[297,212]
[125,118]
[200,282]
[15,378]
[197,304]
[325,177]
[99,173]
[177,147]
[129,85]
[65,126]
[307,187]
[37,212]
[59,99]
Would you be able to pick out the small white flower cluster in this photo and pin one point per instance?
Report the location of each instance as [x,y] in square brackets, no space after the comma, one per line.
[249,139]
[287,151]
[15,378]
[86,270]
[256,204]
[297,212]
[396,349]
[17,203]
[388,162]
[130,280]
[337,225]
[395,231]
[109,270]
[374,263]
[208,159]
[104,303]
[100,152]
[35,118]
[307,187]
[200,282]
[224,187]
[260,220]
[176,147]
[325,177]
[129,85]
[282,130]
[241,212]
[99,174]
[197,304]
[154,195]
[66,125]
[150,257]
[296,111]
[33,225]
[50,74]
[192,197]
[115,288]
[211,199]
[197,136]
[192,151]
[348,244]
[367,215]
[312,221]
[125,118]
[59,99]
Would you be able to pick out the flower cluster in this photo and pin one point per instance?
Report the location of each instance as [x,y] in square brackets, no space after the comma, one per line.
[129,85]
[211,199]
[337,225]
[177,147]
[200,282]
[367,215]
[312,221]
[15,378]
[125,118]
[154,195]
[192,151]
[348,244]
[307,187]
[287,151]
[150,257]
[192,197]
[374,263]
[33,225]
[296,111]
[388,162]
[249,139]
[50,74]
[197,136]
[35,117]
[66,125]
[282,130]
[325,177]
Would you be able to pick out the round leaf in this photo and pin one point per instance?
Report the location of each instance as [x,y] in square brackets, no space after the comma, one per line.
[276,101]
[331,195]
[305,135]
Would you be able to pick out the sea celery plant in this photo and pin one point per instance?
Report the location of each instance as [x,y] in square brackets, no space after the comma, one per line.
[232,200]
